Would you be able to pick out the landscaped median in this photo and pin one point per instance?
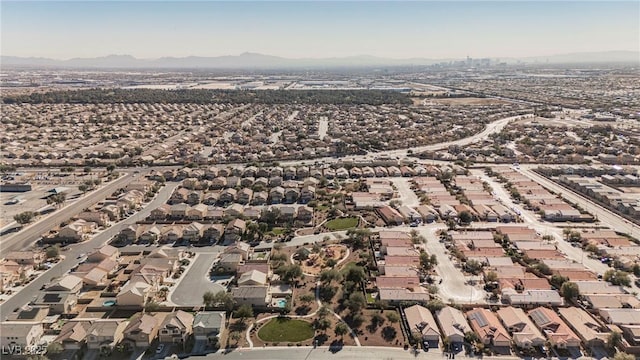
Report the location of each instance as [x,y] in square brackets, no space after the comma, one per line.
[284,329]
[341,223]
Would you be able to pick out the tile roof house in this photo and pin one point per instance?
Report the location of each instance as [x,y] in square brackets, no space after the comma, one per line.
[523,332]
[176,327]
[134,293]
[106,333]
[73,334]
[25,335]
[488,328]
[422,322]
[142,330]
[591,332]
[251,295]
[556,330]
[453,324]
[209,325]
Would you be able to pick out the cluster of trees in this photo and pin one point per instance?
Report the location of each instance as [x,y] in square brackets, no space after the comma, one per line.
[220,299]
[24,217]
[201,96]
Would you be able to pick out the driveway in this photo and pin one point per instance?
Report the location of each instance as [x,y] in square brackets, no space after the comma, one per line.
[195,282]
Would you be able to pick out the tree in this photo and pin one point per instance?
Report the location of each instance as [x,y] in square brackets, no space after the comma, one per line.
[111,167]
[220,299]
[491,276]
[235,336]
[323,312]
[244,311]
[356,302]
[152,306]
[465,217]
[435,304]
[83,188]
[341,329]
[617,277]
[355,274]
[54,348]
[323,324]
[329,276]
[393,317]
[307,298]
[566,232]
[623,356]
[558,280]
[570,290]
[57,199]
[24,217]
[289,273]
[52,252]
[473,266]
[471,337]
[614,339]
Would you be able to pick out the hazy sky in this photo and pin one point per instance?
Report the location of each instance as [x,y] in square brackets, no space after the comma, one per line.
[151,29]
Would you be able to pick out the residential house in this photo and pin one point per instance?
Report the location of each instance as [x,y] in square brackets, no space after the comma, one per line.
[58,302]
[33,258]
[97,217]
[73,334]
[104,252]
[142,330]
[253,278]
[106,333]
[209,325]
[18,334]
[525,335]
[251,295]
[488,328]
[230,262]
[245,195]
[591,332]
[234,230]
[421,322]
[276,195]
[239,247]
[453,324]
[69,283]
[176,327]
[557,331]
[134,293]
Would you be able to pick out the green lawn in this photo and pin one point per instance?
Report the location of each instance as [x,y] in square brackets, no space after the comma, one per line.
[282,329]
[342,223]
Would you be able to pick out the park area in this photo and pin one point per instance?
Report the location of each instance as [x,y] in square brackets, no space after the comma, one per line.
[283,329]
[325,257]
[341,223]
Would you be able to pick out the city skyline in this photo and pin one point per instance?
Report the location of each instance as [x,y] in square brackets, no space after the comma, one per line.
[397,30]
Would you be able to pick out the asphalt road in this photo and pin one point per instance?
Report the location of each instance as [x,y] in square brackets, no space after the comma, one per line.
[31,233]
[195,282]
[453,286]
[71,256]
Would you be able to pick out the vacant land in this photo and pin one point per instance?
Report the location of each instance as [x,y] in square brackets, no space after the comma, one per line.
[282,329]
[341,224]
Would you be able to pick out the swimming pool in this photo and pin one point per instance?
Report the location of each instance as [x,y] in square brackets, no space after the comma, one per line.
[109,303]
[281,303]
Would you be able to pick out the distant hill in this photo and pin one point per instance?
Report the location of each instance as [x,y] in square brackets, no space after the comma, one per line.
[260,61]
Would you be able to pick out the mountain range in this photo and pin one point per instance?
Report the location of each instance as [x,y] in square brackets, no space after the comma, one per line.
[260,61]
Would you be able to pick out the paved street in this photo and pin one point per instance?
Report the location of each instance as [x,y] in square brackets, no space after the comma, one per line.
[195,282]
[71,255]
[346,352]
[453,286]
[31,233]
[407,195]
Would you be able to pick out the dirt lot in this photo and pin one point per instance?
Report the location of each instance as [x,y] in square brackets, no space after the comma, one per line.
[385,334]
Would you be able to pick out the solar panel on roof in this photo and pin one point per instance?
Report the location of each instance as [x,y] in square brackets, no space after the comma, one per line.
[479,318]
[539,317]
